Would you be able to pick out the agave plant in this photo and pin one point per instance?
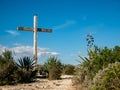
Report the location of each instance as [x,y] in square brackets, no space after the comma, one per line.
[26,63]
[25,72]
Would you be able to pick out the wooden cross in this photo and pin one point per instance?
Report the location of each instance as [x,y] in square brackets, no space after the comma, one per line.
[35,30]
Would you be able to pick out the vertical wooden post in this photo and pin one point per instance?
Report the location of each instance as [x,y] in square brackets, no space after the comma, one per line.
[35,39]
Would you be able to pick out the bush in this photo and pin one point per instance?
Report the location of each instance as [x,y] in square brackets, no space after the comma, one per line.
[69,69]
[108,78]
[54,68]
[25,72]
[97,60]
[43,70]
[12,73]
[7,68]
[7,75]
[25,76]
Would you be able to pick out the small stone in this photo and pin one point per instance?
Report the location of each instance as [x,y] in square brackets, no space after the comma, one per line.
[57,84]
[29,85]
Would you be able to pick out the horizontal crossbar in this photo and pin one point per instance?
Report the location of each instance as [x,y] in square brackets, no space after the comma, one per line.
[32,29]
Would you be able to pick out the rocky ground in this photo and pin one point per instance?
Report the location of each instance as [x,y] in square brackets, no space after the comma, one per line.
[44,84]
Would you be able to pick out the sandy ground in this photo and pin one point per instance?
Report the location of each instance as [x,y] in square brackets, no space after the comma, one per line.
[44,84]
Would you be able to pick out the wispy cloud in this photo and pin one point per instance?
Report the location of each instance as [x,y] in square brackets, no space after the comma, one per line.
[49,53]
[66,24]
[21,50]
[12,32]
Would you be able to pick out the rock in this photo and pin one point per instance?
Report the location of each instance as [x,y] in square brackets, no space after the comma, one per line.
[29,85]
[57,84]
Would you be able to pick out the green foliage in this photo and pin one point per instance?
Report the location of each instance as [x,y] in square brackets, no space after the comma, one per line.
[25,63]
[69,69]
[98,59]
[7,68]
[43,70]
[6,58]
[12,73]
[24,76]
[7,75]
[54,68]
[108,78]
[25,73]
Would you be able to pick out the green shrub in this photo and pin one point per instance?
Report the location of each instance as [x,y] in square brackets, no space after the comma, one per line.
[25,72]
[54,68]
[24,76]
[43,70]
[7,75]
[98,59]
[13,72]
[69,69]
[26,63]
[108,78]
[7,68]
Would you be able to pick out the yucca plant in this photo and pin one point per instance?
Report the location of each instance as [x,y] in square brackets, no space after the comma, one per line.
[26,73]
[25,63]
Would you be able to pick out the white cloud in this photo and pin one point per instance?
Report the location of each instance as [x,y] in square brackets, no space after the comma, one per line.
[66,24]
[12,32]
[49,53]
[2,48]
[21,50]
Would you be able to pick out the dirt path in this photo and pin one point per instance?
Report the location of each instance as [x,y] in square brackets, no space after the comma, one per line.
[43,84]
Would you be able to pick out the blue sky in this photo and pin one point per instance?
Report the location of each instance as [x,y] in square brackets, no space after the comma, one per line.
[71,21]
